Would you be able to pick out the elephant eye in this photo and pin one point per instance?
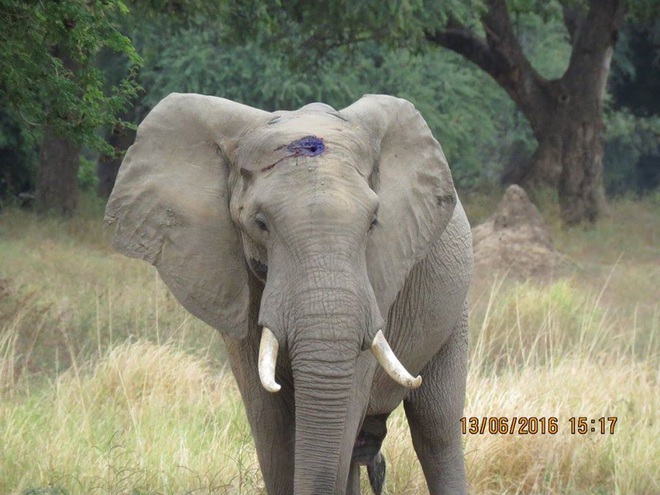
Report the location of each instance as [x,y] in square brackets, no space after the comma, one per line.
[259,220]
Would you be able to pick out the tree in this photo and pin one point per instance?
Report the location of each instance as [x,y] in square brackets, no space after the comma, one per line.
[49,80]
[565,113]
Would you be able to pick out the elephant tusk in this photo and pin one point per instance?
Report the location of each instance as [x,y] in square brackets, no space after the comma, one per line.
[391,364]
[267,358]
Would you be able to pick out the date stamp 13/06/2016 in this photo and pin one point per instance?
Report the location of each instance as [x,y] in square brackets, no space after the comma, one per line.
[537,425]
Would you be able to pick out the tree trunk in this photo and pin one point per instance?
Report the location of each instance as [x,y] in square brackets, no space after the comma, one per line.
[581,188]
[57,180]
[574,128]
[569,156]
[59,161]
[107,167]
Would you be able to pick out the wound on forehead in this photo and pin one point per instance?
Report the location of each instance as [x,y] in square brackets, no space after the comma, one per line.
[307,146]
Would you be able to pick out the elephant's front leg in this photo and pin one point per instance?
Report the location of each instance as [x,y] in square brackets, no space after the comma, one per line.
[434,411]
[271,418]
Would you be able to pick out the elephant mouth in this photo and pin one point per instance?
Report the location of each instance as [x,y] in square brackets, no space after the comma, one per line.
[259,269]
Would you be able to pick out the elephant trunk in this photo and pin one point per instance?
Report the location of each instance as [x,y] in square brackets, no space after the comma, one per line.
[331,377]
[325,313]
[330,403]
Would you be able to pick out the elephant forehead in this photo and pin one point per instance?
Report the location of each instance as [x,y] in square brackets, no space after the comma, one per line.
[305,135]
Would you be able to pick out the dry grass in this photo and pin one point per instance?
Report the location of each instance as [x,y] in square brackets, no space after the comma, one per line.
[145,418]
[564,463]
[554,351]
[108,386]
[69,295]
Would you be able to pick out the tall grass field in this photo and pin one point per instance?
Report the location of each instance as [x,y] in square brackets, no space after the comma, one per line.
[108,386]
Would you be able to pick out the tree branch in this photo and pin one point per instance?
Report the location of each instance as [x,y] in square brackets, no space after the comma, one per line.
[464,42]
[573,19]
[595,37]
[499,55]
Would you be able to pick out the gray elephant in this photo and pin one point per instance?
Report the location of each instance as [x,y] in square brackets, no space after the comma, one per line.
[331,251]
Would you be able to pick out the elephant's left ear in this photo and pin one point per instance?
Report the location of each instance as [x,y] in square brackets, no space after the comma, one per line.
[414,186]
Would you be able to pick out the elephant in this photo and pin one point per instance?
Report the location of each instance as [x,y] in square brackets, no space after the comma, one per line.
[331,251]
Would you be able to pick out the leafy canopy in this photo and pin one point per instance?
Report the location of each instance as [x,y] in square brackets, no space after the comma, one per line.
[48,71]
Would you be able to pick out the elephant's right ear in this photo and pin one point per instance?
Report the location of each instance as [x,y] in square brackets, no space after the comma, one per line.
[170,205]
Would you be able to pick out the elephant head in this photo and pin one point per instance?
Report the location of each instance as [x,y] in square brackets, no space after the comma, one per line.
[317,213]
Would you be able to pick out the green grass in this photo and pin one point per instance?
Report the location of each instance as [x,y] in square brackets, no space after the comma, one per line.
[107,386]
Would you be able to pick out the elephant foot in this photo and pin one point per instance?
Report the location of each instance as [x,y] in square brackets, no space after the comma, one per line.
[376,471]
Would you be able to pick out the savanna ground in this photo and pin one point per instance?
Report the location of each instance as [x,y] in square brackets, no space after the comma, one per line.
[107,386]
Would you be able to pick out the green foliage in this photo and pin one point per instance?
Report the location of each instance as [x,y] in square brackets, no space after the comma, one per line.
[629,139]
[480,122]
[632,153]
[196,60]
[48,74]
[70,65]
[18,157]
[87,179]
[635,82]
[543,37]
[468,113]
[643,10]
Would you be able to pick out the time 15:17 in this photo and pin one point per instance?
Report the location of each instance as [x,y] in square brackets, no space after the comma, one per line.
[582,425]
